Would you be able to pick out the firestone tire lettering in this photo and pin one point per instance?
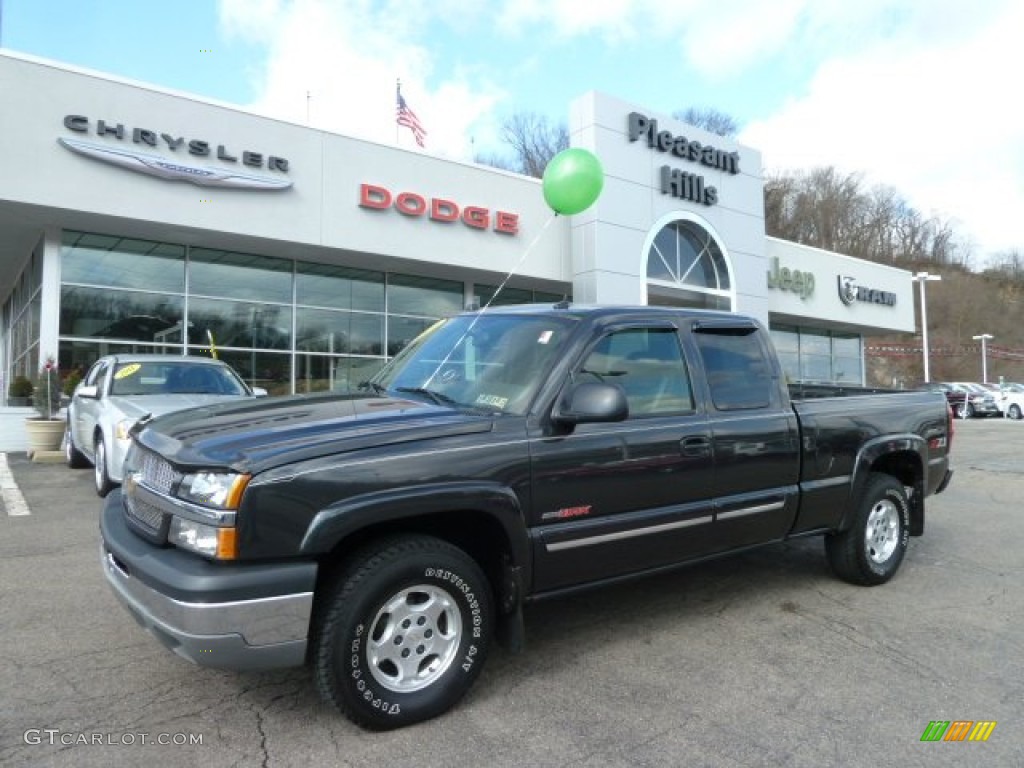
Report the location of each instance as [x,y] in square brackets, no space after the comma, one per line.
[360,675]
[870,551]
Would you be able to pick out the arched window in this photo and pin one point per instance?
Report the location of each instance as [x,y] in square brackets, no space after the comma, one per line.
[686,266]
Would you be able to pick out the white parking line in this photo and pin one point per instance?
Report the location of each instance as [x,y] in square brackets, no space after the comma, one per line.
[14,502]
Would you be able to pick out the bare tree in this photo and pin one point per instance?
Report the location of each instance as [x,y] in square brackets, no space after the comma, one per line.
[832,210]
[710,119]
[534,140]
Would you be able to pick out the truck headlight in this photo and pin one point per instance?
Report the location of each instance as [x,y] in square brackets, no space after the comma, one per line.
[220,490]
[207,540]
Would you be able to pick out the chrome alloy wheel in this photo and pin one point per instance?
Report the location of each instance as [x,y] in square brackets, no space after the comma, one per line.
[100,465]
[414,638]
[881,534]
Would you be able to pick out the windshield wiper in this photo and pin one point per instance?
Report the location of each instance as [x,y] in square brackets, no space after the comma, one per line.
[436,397]
[377,388]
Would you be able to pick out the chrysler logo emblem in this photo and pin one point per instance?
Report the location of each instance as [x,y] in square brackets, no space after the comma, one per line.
[154,165]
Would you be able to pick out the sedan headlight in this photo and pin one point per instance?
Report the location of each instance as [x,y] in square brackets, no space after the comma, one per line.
[220,490]
[122,428]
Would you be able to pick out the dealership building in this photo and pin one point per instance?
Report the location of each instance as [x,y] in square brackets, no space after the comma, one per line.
[134,219]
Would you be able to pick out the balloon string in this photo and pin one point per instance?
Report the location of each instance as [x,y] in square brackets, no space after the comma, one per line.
[483,309]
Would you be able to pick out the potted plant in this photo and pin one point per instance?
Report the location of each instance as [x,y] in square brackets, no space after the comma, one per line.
[19,392]
[46,431]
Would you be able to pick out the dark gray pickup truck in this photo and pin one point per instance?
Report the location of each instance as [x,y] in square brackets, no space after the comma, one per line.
[384,538]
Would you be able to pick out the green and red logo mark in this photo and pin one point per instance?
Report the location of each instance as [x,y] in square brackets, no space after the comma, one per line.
[958,730]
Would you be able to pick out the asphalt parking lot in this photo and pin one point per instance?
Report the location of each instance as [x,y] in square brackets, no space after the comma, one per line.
[759,660]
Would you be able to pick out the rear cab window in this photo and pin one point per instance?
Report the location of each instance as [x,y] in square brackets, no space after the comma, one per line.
[739,371]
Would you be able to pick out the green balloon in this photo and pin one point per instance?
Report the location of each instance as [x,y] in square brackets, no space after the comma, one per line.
[573,180]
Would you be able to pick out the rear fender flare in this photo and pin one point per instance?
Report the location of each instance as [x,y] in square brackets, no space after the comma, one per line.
[869,454]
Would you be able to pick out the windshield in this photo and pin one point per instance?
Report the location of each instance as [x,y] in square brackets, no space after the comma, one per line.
[492,362]
[175,377]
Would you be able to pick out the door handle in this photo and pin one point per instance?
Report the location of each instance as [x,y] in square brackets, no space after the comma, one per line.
[695,447]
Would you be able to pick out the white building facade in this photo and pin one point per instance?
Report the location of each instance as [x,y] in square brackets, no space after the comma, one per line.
[135,219]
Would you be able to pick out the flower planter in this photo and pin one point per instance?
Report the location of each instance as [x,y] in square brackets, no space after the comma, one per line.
[44,435]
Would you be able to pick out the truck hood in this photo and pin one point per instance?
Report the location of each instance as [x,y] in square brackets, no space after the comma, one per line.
[256,435]
[137,406]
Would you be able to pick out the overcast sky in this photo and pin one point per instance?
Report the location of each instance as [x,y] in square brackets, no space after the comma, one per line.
[920,96]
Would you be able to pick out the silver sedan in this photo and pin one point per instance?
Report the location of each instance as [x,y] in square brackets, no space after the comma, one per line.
[118,390]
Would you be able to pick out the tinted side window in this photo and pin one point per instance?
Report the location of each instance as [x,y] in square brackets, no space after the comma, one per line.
[739,375]
[648,364]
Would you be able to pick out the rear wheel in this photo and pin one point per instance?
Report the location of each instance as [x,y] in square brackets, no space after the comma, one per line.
[1014,412]
[870,551]
[102,477]
[403,633]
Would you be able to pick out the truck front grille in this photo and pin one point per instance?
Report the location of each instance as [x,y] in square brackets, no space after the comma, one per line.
[157,473]
[144,513]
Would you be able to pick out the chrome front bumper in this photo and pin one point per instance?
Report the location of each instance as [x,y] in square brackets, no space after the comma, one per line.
[243,635]
[227,616]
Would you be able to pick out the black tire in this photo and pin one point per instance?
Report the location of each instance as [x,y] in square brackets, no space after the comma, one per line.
[100,475]
[372,619]
[74,457]
[1014,412]
[870,551]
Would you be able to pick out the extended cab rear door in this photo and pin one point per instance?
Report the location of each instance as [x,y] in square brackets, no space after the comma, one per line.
[754,433]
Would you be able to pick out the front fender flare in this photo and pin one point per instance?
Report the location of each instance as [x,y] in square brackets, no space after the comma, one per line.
[338,521]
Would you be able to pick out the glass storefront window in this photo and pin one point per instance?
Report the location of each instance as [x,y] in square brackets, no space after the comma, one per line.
[402,330]
[410,295]
[109,314]
[323,373]
[120,262]
[240,275]
[322,285]
[818,356]
[123,294]
[239,324]
[483,294]
[322,330]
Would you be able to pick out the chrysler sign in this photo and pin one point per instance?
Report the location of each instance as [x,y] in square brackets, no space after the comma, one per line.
[128,157]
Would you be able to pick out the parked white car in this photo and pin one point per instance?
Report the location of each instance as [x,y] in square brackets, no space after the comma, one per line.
[1010,400]
[118,390]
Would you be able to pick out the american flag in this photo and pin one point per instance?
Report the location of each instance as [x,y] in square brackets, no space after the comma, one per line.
[407,117]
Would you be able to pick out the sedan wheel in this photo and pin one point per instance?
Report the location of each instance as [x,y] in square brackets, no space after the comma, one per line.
[74,457]
[103,482]
[1014,412]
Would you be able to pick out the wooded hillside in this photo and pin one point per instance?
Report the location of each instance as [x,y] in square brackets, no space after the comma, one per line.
[830,210]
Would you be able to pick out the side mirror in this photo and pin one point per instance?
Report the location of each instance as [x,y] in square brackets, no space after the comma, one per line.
[259,391]
[592,402]
[89,391]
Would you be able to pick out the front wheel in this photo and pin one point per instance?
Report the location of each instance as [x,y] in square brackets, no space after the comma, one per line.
[870,551]
[964,411]
[102,477]
[1014,412]
[74,457]
[403,632]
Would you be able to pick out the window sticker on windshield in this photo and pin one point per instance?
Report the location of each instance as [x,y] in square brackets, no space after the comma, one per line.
[545,337]
[128,370]
[492,400]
